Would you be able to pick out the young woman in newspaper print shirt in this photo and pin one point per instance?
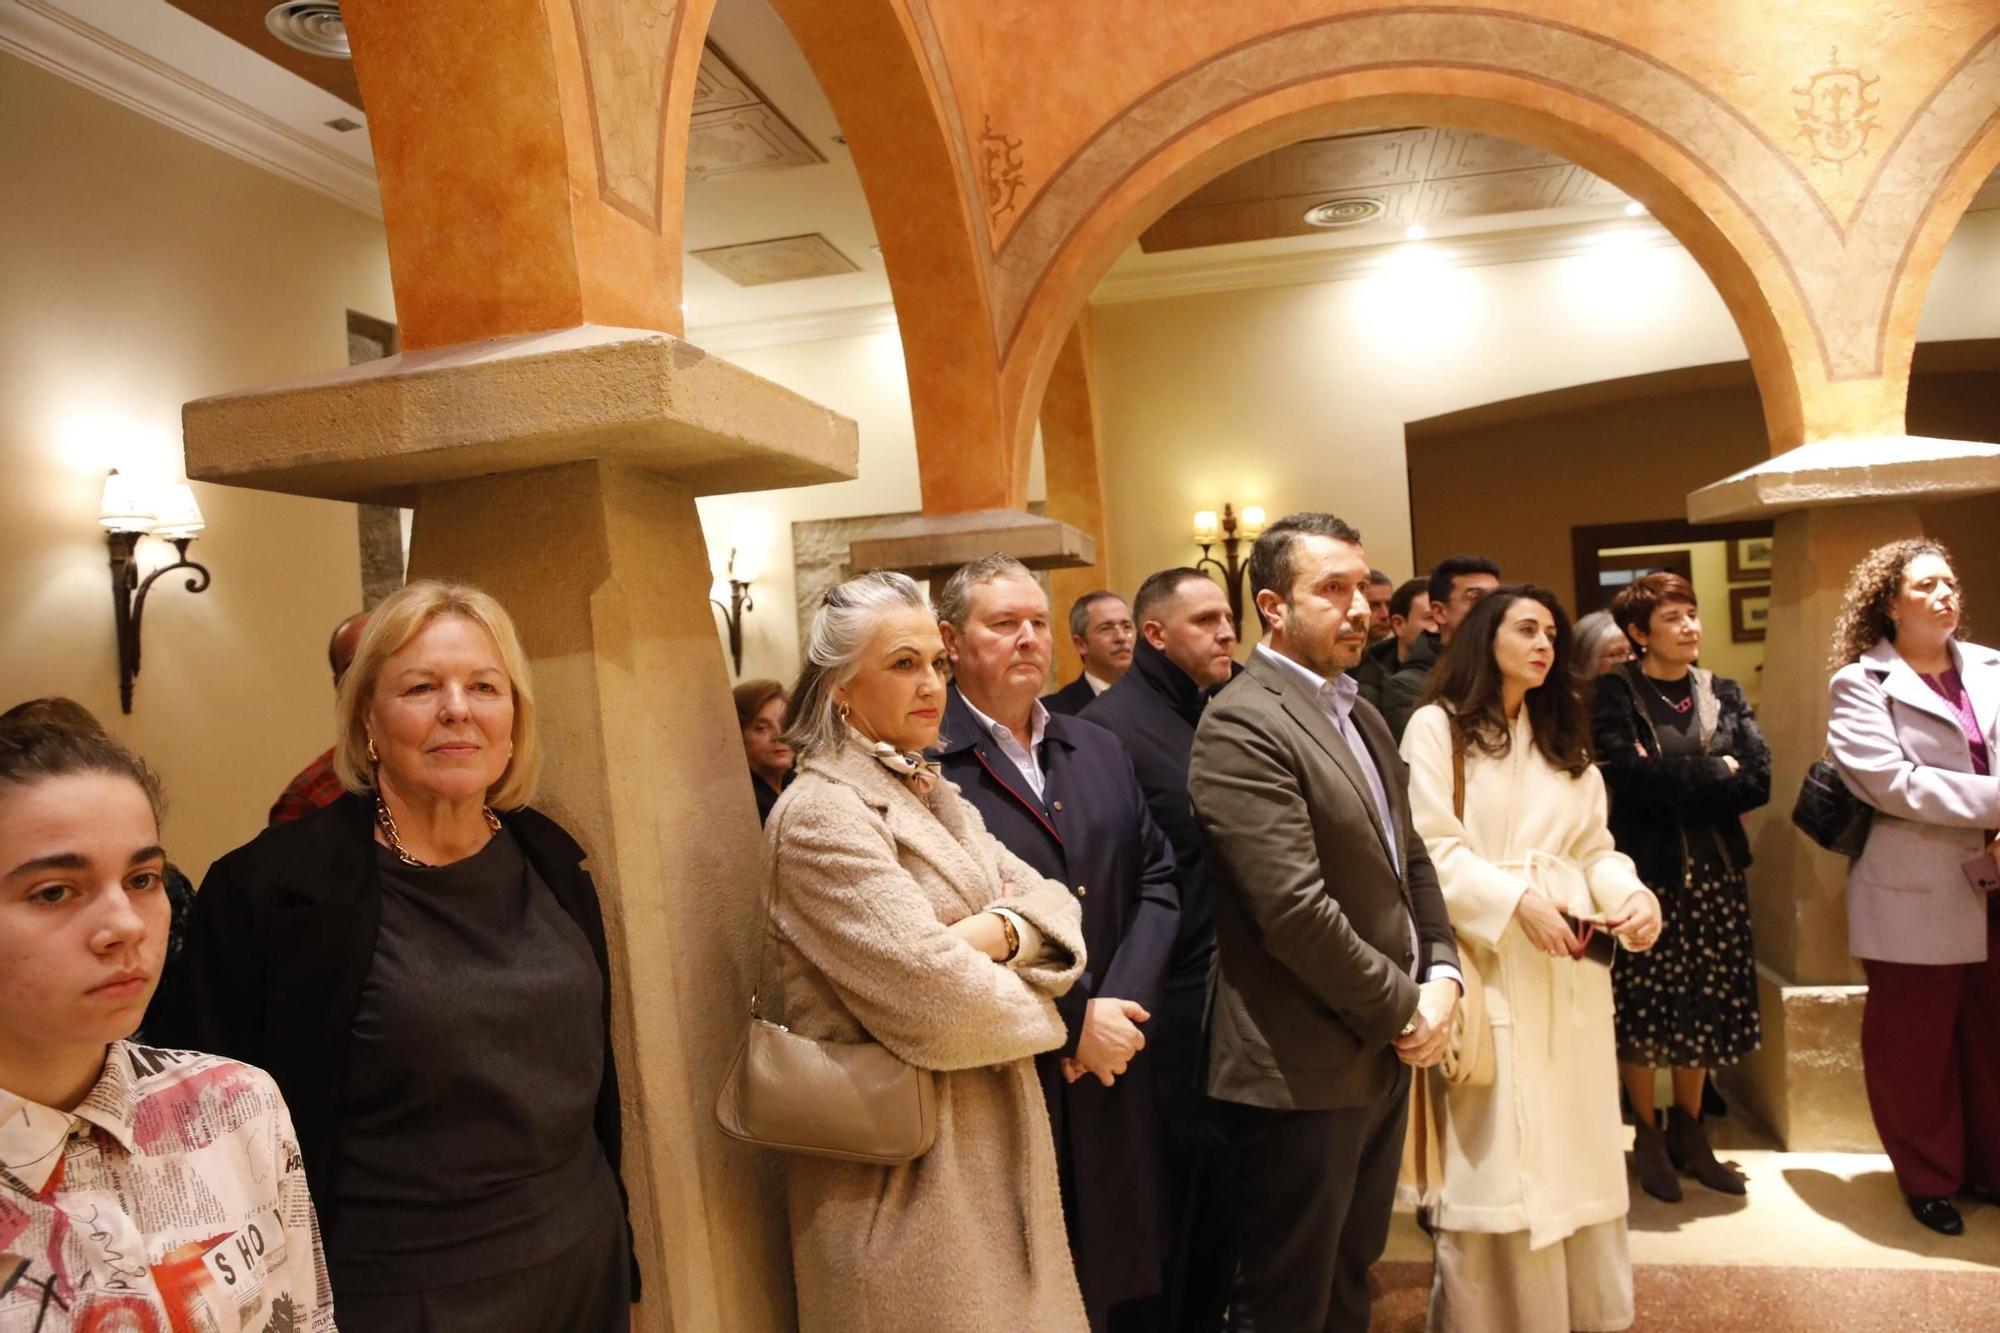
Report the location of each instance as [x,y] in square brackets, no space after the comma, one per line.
[139,1188]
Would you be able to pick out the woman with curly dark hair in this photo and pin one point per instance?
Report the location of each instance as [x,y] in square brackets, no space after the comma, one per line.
[1530,1212]
[1914,730]
[1684,760]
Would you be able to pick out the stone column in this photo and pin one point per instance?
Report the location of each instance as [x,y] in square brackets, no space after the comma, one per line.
[1834,501]
[559,472]
[1076,490]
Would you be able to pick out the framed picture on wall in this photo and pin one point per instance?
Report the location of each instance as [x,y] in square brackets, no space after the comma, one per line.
[1616,569]
[1601,554]
[1749,558]
[1749,612]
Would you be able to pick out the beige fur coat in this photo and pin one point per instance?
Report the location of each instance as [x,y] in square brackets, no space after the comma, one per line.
[970,1235]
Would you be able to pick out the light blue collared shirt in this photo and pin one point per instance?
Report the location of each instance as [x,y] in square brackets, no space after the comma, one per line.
[1027,757]
[1336,699]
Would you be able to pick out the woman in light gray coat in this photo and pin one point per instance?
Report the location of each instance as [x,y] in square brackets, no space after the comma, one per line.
[900,920]
[1915,731]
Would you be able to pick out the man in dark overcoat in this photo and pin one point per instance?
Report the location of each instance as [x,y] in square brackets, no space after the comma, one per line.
[1061,794]
[1186,638]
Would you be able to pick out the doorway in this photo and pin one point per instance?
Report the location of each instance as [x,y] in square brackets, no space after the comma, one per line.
[1729,565]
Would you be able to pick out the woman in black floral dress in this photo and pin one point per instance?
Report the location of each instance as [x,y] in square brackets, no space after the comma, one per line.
[1683,760]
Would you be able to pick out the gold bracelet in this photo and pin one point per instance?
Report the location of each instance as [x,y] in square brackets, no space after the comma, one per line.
[1013,936]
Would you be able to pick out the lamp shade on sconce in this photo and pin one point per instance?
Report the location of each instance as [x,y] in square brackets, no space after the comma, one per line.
[1206,528]
[127,505]
[1252,523]
[178,515]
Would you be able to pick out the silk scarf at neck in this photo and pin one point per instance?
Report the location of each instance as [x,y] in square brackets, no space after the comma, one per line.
[921,774]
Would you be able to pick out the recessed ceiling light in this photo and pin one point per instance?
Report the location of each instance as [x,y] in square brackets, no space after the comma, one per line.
[1416,231]
[1343,212]
[312,26]
[1635,209]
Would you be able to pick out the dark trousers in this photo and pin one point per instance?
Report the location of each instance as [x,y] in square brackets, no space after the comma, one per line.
[1199,1258]
[1314,1191]
[1930,1046]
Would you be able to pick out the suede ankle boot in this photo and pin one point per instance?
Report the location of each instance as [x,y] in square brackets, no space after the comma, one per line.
[1651,1163]
[1687,1147]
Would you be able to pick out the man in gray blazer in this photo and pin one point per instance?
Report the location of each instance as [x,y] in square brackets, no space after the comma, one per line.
[1337,969]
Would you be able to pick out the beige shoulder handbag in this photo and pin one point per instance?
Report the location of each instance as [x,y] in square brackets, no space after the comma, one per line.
[1468,1055]
[851,1101]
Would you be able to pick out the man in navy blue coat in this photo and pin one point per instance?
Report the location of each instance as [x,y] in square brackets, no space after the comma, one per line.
[1186,638]
[1061,794]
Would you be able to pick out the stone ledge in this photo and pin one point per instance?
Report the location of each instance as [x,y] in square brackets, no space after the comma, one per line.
[1850,471]
[1805,1082]
[928,546]
[377,431]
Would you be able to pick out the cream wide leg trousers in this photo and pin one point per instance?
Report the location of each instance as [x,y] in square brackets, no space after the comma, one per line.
[1487,1282]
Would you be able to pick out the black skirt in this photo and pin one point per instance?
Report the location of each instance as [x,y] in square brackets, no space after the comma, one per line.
[1691,1000]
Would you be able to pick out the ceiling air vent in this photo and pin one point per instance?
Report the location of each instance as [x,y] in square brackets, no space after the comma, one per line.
[1344,212]
[312,26]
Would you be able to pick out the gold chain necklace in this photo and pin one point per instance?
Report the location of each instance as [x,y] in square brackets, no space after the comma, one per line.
[387,823]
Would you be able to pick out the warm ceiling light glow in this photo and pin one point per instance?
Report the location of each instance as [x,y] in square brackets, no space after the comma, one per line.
[1416,231]
[1635,209]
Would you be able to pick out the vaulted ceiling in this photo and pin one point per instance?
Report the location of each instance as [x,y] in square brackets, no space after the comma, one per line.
[777,226]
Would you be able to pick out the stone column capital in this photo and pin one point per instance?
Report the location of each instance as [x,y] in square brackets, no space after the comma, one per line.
[1851,470]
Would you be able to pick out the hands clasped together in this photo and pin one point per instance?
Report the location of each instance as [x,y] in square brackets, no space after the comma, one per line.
[1423,1045]
[1637,923]
[1110,1039]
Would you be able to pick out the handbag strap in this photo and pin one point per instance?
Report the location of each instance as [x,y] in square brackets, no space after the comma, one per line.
[767,919]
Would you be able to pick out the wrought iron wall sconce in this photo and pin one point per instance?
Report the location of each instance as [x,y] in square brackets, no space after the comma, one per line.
[739,602]
[1232,532]
[131,510]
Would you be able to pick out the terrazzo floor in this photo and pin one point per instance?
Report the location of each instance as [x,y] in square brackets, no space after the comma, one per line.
[1822,1241]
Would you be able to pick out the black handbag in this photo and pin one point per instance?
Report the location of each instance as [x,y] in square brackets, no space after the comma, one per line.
[1830,814]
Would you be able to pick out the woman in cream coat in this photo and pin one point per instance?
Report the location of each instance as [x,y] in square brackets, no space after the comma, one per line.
[1530,1218]
[900,920]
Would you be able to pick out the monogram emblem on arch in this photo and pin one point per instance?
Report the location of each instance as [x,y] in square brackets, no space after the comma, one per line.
[1000,159]
[1836,112]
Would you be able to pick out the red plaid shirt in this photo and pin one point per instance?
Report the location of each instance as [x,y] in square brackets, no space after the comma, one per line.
[311,790]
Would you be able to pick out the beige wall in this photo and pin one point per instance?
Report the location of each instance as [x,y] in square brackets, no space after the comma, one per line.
[1629,460]
[1296,397]
[1272,397]
[139,269]
[1629,453]
[861,377]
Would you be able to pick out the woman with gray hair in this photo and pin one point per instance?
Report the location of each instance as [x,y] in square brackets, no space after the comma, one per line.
[1601,647]
[898,919]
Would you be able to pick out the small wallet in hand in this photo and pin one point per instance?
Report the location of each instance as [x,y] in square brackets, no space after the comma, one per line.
[1596,944]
